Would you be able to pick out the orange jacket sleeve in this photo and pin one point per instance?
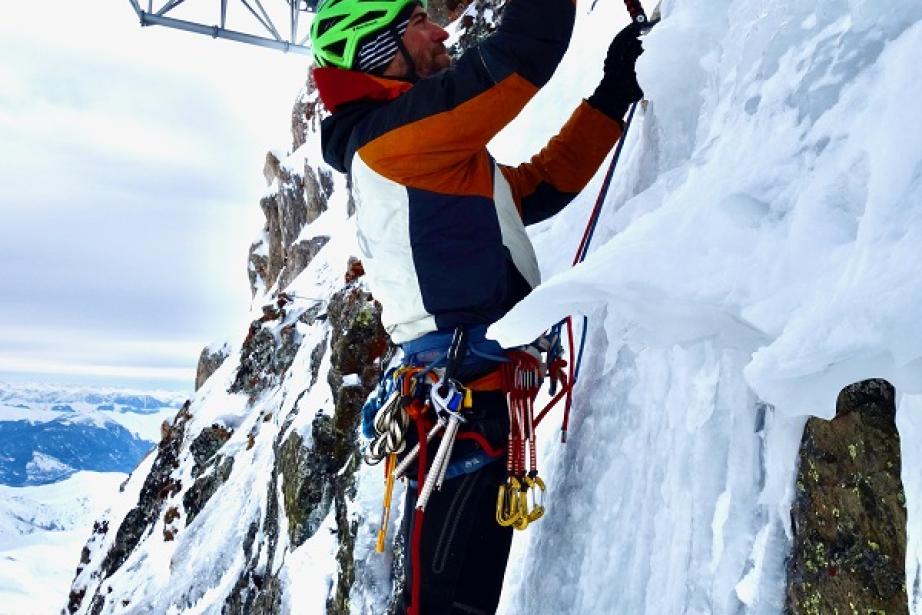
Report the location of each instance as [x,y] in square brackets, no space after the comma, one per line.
[552,178]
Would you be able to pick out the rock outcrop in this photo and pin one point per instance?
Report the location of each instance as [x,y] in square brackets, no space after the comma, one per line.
[478,19]
[300,196]
[208,363]
[849,515]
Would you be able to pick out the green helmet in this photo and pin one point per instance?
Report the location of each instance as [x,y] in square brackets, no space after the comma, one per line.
[340,26]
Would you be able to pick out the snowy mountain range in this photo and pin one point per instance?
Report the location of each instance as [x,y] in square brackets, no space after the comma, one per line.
[758,254]
[46,452]
[48,433]
[57,398]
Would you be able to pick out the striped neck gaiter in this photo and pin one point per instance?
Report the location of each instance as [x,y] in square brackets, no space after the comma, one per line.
[376,53]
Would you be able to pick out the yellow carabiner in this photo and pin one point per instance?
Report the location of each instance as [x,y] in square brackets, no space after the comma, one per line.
[523,520]
[507,503]
[521,523]
[537,509]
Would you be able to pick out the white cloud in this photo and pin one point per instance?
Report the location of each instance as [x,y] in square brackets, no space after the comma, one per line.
[17,365]
[130,178]
[129,138]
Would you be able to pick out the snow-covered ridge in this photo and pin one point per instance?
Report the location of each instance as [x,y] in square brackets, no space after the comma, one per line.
[140,412]
[41,393]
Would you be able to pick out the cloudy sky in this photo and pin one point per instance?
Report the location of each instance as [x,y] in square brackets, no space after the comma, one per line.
[130,177]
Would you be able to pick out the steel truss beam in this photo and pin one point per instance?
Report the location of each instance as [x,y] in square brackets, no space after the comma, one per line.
[266,35]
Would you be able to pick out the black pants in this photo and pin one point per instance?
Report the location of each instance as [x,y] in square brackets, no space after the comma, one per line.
[463,552]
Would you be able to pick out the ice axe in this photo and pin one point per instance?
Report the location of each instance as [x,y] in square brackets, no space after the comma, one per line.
[639,16]
[636,11]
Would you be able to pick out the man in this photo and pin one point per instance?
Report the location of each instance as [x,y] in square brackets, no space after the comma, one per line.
[441,226]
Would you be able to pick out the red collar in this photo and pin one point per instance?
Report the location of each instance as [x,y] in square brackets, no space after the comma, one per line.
[338,87]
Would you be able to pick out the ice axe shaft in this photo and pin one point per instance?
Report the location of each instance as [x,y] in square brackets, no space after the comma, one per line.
[636,11]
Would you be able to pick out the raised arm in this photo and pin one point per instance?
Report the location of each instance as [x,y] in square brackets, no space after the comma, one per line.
[551,179]
[448,119]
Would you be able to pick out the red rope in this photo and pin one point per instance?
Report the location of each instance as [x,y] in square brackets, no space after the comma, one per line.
[481,442]
[417,538]
[563,391]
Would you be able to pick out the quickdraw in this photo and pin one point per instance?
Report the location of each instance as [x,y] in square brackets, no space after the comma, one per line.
[522,379]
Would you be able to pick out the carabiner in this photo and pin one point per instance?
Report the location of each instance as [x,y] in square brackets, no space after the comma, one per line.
[523,519]
[537,510]
[507,503]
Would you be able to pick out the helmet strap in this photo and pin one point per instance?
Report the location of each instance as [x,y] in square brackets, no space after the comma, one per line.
[412,76]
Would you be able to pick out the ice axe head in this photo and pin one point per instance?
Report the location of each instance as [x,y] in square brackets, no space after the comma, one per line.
[636,11]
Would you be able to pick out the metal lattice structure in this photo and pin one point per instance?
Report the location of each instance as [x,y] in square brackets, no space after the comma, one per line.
[257,29]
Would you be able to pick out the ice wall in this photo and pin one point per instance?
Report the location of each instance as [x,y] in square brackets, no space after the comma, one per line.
[759,250]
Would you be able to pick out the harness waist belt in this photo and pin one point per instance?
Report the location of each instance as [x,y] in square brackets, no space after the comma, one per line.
[432,346]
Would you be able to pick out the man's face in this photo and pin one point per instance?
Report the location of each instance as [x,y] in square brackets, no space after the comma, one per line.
[424,42]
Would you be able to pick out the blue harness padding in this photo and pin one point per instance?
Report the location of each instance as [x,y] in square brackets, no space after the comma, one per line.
[431,350]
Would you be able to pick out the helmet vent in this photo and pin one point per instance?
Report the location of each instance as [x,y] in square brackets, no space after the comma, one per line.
[337,48]
[325,25]
[370,16]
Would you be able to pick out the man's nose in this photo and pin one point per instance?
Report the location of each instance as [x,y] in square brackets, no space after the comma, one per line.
[440,34]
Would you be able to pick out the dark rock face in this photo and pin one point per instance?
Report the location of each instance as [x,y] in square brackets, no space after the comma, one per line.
[158,486]
[443,12]
[268,350]
[299,257]
[206,444]
[208,363]
[849,515]
[318,475]
[359,345]
[479,21]
[306,487]
[205,486]
[300,197]
[306,115]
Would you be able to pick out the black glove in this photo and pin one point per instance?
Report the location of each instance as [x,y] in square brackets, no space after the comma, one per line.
[619,87]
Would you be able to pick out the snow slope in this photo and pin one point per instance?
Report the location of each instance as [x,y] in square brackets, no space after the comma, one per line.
[42,530]
[759,251]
